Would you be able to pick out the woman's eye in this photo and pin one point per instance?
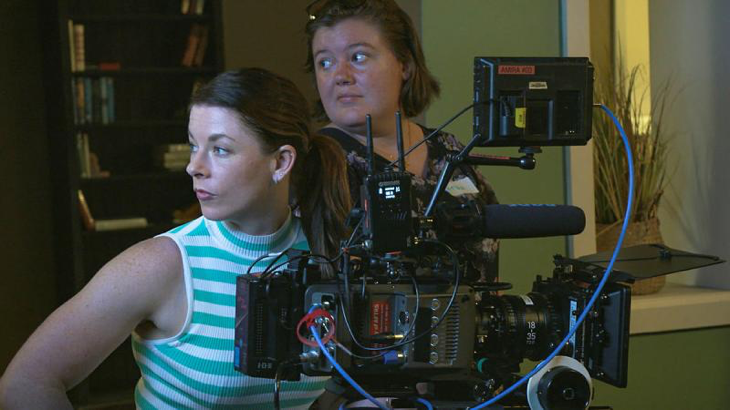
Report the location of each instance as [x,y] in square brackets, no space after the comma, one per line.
[359,57]
[220,151]
[325,63]
[193,147]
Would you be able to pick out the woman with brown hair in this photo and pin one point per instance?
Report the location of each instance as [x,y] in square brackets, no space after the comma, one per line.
[367,59]
[255,165]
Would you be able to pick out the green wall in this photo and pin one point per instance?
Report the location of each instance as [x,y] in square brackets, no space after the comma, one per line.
[674,371]
[454,32]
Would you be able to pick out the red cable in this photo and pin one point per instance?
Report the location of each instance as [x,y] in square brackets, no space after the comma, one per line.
[310,320]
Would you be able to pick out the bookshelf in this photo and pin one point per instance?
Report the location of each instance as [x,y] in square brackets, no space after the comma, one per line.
[118,76]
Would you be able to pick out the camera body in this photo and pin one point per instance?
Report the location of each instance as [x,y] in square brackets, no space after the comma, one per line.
[471,342]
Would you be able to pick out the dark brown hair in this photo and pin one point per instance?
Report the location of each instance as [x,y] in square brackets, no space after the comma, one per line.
[396,27]
[274,109]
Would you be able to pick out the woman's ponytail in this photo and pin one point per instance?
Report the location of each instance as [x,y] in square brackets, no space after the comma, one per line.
[324,197]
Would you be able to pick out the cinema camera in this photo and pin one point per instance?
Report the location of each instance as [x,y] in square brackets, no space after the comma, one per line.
[406,316]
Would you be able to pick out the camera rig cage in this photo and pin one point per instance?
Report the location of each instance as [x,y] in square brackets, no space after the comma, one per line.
[405,316]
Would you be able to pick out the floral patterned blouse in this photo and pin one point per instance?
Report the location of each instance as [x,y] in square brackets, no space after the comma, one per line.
[483,251]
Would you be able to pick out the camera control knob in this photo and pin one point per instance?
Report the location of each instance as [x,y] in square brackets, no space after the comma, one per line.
[564,388]
[564,383]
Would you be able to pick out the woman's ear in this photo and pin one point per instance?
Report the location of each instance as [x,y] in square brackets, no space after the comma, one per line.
[407,70]
[284,157]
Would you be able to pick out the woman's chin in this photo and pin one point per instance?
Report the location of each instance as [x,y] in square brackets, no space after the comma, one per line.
[349,118]
[212,215]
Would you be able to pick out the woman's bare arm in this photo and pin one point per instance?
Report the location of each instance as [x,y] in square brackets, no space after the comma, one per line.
[81,333]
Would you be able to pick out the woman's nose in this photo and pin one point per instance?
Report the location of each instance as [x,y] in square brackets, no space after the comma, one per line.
[196,167]
[343,74]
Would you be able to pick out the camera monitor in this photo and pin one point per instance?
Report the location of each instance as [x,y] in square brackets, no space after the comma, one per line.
[532,101]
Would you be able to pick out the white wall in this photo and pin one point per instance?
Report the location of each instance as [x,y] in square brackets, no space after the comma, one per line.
[689,45]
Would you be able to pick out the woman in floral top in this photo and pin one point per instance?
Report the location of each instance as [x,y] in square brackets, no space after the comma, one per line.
[367,60]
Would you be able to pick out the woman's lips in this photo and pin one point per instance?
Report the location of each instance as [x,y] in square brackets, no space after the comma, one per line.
[348,98]
[203,195]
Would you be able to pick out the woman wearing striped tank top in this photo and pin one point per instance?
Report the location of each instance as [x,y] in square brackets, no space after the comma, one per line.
[265,184]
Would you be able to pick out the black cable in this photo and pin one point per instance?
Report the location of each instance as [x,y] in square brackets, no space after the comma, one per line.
[266,272]
[277,382]
[269,269]
[257,260]
[306,255]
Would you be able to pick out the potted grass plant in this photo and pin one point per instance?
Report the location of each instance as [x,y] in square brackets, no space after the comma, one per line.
[620,93]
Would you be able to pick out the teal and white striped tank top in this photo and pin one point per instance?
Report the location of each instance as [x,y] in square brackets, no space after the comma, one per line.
[194,369]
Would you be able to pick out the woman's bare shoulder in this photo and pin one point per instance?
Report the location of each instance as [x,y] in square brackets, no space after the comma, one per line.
[155,264]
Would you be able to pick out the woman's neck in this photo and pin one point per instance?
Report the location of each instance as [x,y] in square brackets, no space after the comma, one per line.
[384,138]
[264,223]
[385,145]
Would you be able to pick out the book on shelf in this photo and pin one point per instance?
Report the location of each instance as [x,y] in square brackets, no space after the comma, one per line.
[110,99]
[192,45]
[71,45]
[197,44]
[202,46]
[176,157]
[120,223]
[79,100]
[103,100]
[109,65]
[84,154]
[192,6]
[199,6]
[99,225]
[93,100]
[89,166]
[79,49]
[88,100]
[172,157]
[86,218]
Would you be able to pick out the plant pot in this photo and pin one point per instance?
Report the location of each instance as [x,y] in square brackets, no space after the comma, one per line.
[637,233]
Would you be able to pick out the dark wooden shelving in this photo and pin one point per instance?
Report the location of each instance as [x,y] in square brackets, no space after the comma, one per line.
[144,71]
[136,17]
[141,45]
[134,178]
[122,125]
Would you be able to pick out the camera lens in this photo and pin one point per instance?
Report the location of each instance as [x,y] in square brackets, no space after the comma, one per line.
[517,326]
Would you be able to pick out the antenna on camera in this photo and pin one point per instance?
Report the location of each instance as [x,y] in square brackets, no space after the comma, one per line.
[399,141]
[369,137]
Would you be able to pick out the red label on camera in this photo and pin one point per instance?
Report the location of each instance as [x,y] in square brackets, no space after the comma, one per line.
[379,317]
[516,69]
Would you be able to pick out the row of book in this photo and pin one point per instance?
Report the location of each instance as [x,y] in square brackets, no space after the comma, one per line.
[89,166]
[77,48]
[93,100]
[92,224]
[193,55]
[192,6]
[197,44]
[173,157]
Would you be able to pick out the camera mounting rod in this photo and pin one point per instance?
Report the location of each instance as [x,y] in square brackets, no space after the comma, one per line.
[461,159]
